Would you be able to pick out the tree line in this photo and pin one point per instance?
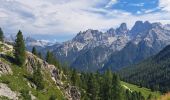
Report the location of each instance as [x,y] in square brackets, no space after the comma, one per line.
[100,86]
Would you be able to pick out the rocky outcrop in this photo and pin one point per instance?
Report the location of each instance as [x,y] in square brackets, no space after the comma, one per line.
[5,48]
[7,92]
[70,92]
[4,69]
[73,92]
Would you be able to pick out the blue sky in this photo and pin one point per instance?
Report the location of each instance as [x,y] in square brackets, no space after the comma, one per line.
[60,20]
[136,6]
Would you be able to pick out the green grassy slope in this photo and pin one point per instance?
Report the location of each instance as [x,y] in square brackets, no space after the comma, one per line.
[145,92]
[17,82]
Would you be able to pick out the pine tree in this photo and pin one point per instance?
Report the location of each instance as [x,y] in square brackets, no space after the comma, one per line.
[106,91]
[38,78]
[49,57]
[1,35]
[75,78]
[19,47]
[40,55]
[34,51]
[93,87]
[116,88]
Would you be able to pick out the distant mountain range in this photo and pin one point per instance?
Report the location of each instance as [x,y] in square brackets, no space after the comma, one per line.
[93,50]
[114,49]
[89,50]
[30,42]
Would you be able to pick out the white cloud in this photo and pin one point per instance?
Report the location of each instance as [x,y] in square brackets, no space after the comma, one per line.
[151,10]
[164,4]
[138,5]
[66,16]
[112,2]
[53,16]
[3,14]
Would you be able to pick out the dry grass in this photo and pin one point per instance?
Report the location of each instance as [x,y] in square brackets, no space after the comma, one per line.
[165,97]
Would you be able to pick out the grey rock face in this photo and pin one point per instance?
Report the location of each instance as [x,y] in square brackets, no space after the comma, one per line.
[89,41]
[122,29]
[7,92]
[5,69]
[70,92]
[111,32]
[140,27]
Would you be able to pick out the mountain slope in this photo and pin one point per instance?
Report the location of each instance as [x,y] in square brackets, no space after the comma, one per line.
[145,91]
[91,60]
[16,80]
[16,84]
[153,72]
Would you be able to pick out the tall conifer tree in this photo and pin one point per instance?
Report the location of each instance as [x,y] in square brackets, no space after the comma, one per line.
[38,78]
[34,51]
[49,57]
[116,88]
[19,47]
[1,35]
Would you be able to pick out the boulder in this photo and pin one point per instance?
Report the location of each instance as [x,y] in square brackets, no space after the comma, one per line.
[5,69]
[7,92]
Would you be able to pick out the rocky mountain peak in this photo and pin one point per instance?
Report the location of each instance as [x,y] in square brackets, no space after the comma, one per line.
[88,35]
[122,29]
[30,39]
[147,24]
[123,26]
[157,25]
[138,23]
[31,42]
[166,26]
[111,32]
[140,27]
